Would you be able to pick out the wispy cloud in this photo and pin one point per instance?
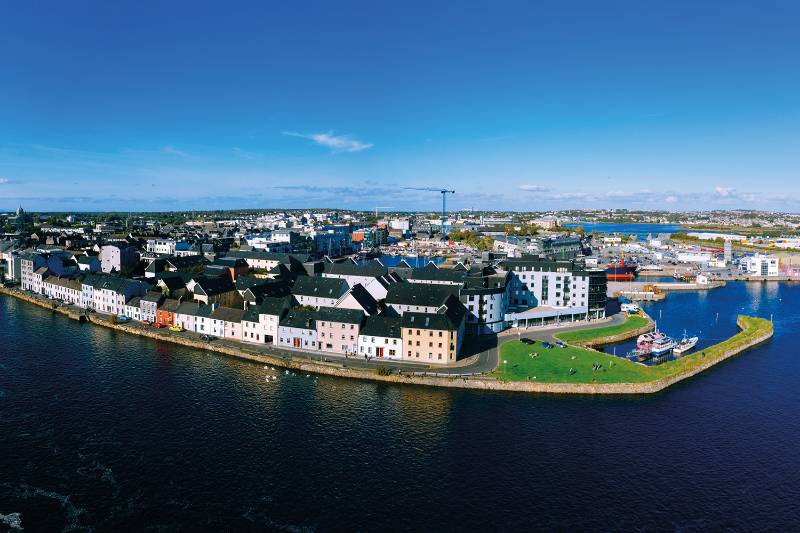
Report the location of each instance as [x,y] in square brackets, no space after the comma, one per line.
[171,150]
[724,191]
[532,187]
[4,181]
[337,143]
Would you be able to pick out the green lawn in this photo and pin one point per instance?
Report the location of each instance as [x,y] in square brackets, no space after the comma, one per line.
[576,337]
[553,365]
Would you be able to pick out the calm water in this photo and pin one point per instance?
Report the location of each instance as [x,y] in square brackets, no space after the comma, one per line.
[107,432]
[640,230]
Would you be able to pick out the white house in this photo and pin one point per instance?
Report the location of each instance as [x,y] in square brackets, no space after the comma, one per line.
[381,337]
[298,330]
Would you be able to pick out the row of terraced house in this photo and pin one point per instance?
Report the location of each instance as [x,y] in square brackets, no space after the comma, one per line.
[339,307]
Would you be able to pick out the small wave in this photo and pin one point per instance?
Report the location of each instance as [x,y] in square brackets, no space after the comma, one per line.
[12,520]
[73,512]
[2,393]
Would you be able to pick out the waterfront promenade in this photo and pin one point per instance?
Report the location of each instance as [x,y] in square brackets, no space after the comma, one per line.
[472,375]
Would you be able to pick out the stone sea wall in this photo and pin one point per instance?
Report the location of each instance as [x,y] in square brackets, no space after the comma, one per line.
[334,369]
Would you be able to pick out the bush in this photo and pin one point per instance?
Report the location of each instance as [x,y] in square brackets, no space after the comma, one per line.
[383,370]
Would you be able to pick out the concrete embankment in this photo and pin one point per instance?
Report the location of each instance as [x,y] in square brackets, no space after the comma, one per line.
[619,337]
[333,369]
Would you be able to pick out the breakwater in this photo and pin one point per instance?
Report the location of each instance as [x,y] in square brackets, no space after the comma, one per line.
[619,337]
[460,382]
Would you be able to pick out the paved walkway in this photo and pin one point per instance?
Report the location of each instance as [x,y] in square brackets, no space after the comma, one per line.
[484,350]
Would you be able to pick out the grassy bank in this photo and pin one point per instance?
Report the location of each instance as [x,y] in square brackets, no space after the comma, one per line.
[574,364]
[631,323]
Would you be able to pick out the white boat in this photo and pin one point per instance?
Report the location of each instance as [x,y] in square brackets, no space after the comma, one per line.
[686,344]
[662,346]
[646,340]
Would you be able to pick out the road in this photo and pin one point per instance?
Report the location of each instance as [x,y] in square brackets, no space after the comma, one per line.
[483,350]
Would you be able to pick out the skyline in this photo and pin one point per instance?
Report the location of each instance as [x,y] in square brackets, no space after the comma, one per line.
[678,107]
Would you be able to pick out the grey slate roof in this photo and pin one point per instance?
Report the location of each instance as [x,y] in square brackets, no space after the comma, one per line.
[438,274]
[364,298]
[346,316]
[188,308]
[424,294]
[320,287]
[382,326]
[274,306]
[371,268]
[213,286]
[228,314]
[299,319]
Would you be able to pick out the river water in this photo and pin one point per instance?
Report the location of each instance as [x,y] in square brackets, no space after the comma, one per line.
[640,230]
[108,432]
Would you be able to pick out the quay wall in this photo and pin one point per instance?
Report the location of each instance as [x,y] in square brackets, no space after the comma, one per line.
[335,369]
[619,337]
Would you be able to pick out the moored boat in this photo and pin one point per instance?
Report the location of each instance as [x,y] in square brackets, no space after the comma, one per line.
[640,354]
[662,346]
[685,344]
[646,340]
[621,271]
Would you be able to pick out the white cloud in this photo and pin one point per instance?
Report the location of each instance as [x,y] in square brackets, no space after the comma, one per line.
[171,150]
[724,191]
[671,200]
[4,181]
[574,196]
[337,143]
[534,188]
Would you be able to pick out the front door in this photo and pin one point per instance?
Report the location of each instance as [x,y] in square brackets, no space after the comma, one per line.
[296,342]
[379,351]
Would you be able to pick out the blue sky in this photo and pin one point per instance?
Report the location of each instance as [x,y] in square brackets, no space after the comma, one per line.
[516,105]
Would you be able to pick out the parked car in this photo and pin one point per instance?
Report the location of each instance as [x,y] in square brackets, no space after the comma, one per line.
[123,318]
[561,344]
[176,328]
[158,325]
[526,340]
[547,345]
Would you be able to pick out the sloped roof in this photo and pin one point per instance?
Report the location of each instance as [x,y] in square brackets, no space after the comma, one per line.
[382,326]
[320,287]
[228,314]
[299,319]
[213,286]
[424,294]
[361,295]
[274,306]
[449,320]
[348,268]
[346,316]
[438,274]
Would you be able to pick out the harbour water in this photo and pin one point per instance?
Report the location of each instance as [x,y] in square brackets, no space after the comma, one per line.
[108,432]
[640,230]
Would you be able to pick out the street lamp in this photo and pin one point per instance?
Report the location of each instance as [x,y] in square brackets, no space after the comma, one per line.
[505,368]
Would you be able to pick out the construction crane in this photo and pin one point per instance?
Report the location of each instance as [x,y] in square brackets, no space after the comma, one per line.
[444,193]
